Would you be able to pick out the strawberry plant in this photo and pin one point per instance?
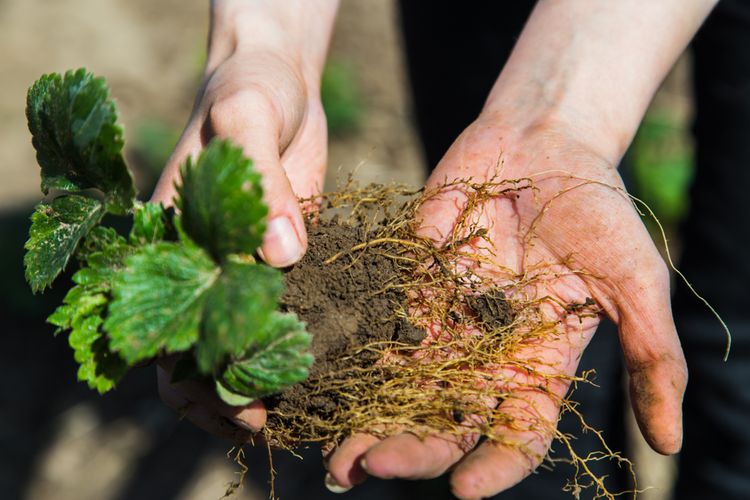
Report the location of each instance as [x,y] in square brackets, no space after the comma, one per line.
[183,281]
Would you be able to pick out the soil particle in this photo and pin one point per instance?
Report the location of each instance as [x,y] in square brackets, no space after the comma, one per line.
[407,333]
[346,304]
[491,308]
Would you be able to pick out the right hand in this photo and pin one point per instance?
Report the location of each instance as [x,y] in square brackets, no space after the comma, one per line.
[268,104]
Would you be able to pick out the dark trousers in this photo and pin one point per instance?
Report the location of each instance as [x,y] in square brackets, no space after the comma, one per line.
[455,51]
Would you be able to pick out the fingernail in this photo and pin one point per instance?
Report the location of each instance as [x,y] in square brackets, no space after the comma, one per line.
[363,464]
[281,246]
[333,486]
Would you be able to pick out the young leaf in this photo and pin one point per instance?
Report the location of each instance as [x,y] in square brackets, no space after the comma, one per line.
[149,224]
[221,201]
[282,360]
[229,397]
[237,309]
[103,249]
[106,252]
[84,308]
[158,300]
[78,143]
[98,365]
[56,229]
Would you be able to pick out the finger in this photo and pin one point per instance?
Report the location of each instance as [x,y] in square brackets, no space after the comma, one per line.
[327,450]
[654,359]
[249,121]
[304,161]
[528,420]
[408,457]
[211,422]
[344,465]
[525,422]
[191,393]
[201,416]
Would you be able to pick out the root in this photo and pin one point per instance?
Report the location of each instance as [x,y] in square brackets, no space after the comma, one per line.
[237,455]
[452,384]
[485,322]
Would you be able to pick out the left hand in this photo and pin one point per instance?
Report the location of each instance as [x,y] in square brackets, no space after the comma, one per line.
[587,228]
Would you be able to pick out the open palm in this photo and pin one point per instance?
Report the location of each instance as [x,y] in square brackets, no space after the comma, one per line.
[577,234]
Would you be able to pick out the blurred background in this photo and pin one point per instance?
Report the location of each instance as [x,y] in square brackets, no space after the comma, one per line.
[58,440]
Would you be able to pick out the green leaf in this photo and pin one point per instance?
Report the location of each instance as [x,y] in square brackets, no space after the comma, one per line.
[229,397]
[158,300]
[221,201]
[84,308]
[104,251]
[77,140]
[98,239]
[104,368]
[238,308]
[56,229]
[90,296]
[149,224]
[62,317]
[98,365]
[282,360]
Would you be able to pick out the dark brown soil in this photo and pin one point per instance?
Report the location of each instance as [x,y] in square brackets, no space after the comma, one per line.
[491,308]
[346,304]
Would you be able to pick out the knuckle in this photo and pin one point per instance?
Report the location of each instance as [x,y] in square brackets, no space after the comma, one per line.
[223,116]
[228,114]
[680,376]
[660,272]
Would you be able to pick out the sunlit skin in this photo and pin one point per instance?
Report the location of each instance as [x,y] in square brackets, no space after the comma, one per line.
[596,229]
[562,113]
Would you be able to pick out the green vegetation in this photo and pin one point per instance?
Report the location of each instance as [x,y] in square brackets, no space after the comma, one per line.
[178,283]
[662,162]
[341,101]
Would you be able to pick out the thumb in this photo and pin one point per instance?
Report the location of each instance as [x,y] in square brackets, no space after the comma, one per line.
[654,359]
[285,239]
[251,127]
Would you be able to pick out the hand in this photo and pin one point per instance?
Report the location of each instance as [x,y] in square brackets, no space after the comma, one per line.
[261,90]
[579,220]
[262,101]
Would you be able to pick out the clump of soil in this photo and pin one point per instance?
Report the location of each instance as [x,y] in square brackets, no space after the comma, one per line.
[351,296]
[491,308]
[347,304]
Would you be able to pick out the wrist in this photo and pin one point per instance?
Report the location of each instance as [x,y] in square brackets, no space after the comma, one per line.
[592,67]
[528,111]
[298,31]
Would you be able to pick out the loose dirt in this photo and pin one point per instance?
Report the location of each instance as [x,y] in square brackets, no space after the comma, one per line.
[346,304]
[350,303]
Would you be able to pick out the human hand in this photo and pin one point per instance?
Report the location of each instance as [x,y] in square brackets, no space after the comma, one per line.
[261,100]
[262,90]
[580,220]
